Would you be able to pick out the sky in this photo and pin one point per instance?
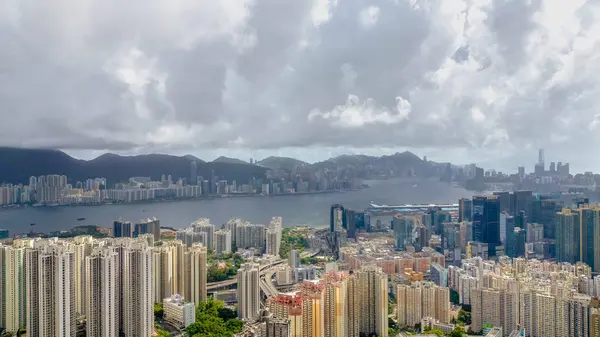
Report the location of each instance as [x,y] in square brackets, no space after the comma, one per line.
[466,81]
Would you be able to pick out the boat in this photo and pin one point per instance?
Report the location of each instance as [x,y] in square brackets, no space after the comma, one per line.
[80,219]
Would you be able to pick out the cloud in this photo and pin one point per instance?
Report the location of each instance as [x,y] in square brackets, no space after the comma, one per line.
[466,80]
[368,17]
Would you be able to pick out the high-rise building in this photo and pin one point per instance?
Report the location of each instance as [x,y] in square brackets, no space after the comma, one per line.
[288,306]
[402,227]
[15,287]
[101,293]
[204,225]
[337,218]
[195,274]
[248,292]
[164,270]
[232,226]
[589,235]
[148,226]
[294,260]
[465,210]
[521,201]
[567,236]
[82,247]
[335,304]
[354,307]
[504,199]
[419,300]
[486,308]
[251,236]
[273,240]
[50,289]
[374,299]
[122,229]
[313,299]
[222,241]
[138,295]
[486,221]
[351,223]
[439,274]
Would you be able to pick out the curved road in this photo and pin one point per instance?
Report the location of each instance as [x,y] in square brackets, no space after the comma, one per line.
[263,270]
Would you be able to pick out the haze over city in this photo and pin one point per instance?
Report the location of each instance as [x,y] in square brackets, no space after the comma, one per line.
[461,81]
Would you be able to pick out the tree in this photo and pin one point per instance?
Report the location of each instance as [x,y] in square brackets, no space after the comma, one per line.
[214,320]
[458,331]
[158,310]
[464,317]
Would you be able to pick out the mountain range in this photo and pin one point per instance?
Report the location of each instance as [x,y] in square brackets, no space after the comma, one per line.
[18,164]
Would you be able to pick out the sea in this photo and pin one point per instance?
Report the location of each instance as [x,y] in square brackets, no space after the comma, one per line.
[309,209]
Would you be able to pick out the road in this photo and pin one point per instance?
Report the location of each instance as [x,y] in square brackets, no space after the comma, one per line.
[263,270]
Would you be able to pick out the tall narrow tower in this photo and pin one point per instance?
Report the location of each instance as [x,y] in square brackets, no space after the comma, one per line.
[248,291]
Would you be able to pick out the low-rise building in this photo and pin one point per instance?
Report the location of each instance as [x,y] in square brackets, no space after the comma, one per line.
[178,312]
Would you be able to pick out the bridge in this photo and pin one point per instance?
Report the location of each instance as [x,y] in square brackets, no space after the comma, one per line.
[416,207]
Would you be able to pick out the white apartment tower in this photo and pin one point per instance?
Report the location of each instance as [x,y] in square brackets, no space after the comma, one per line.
[248,292]
[101,293]
[82,247]
[203,225]
[51,289]
[223,241]
[273,241]
[195,274]
[14,282]
[138,295]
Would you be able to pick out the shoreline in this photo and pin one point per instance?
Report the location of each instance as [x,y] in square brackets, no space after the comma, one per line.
[152,201]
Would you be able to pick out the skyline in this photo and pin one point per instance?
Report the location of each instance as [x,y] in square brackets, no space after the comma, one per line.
[461,82]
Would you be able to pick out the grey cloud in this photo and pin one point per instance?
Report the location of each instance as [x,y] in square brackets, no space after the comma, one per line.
[177,75]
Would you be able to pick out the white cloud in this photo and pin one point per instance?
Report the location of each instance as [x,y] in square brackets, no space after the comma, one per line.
[368,16]
[354,113]
[322,11]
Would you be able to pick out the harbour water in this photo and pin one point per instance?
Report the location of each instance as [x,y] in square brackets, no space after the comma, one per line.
[310,210]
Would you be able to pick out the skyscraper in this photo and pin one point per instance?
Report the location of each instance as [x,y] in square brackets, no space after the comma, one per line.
[465,209]
[589,231]
[82,247]
[15,287]
[294,260]
[122,229]
[567,236]
[138,295]
[195,274]
[204,225]
[351,223]
[337,218]
[51,290]
[248,292]
[402,227]
[148,226]
[335,304]
[101,293]
[223,241]
[354,307]
[374,299]
[486,221]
